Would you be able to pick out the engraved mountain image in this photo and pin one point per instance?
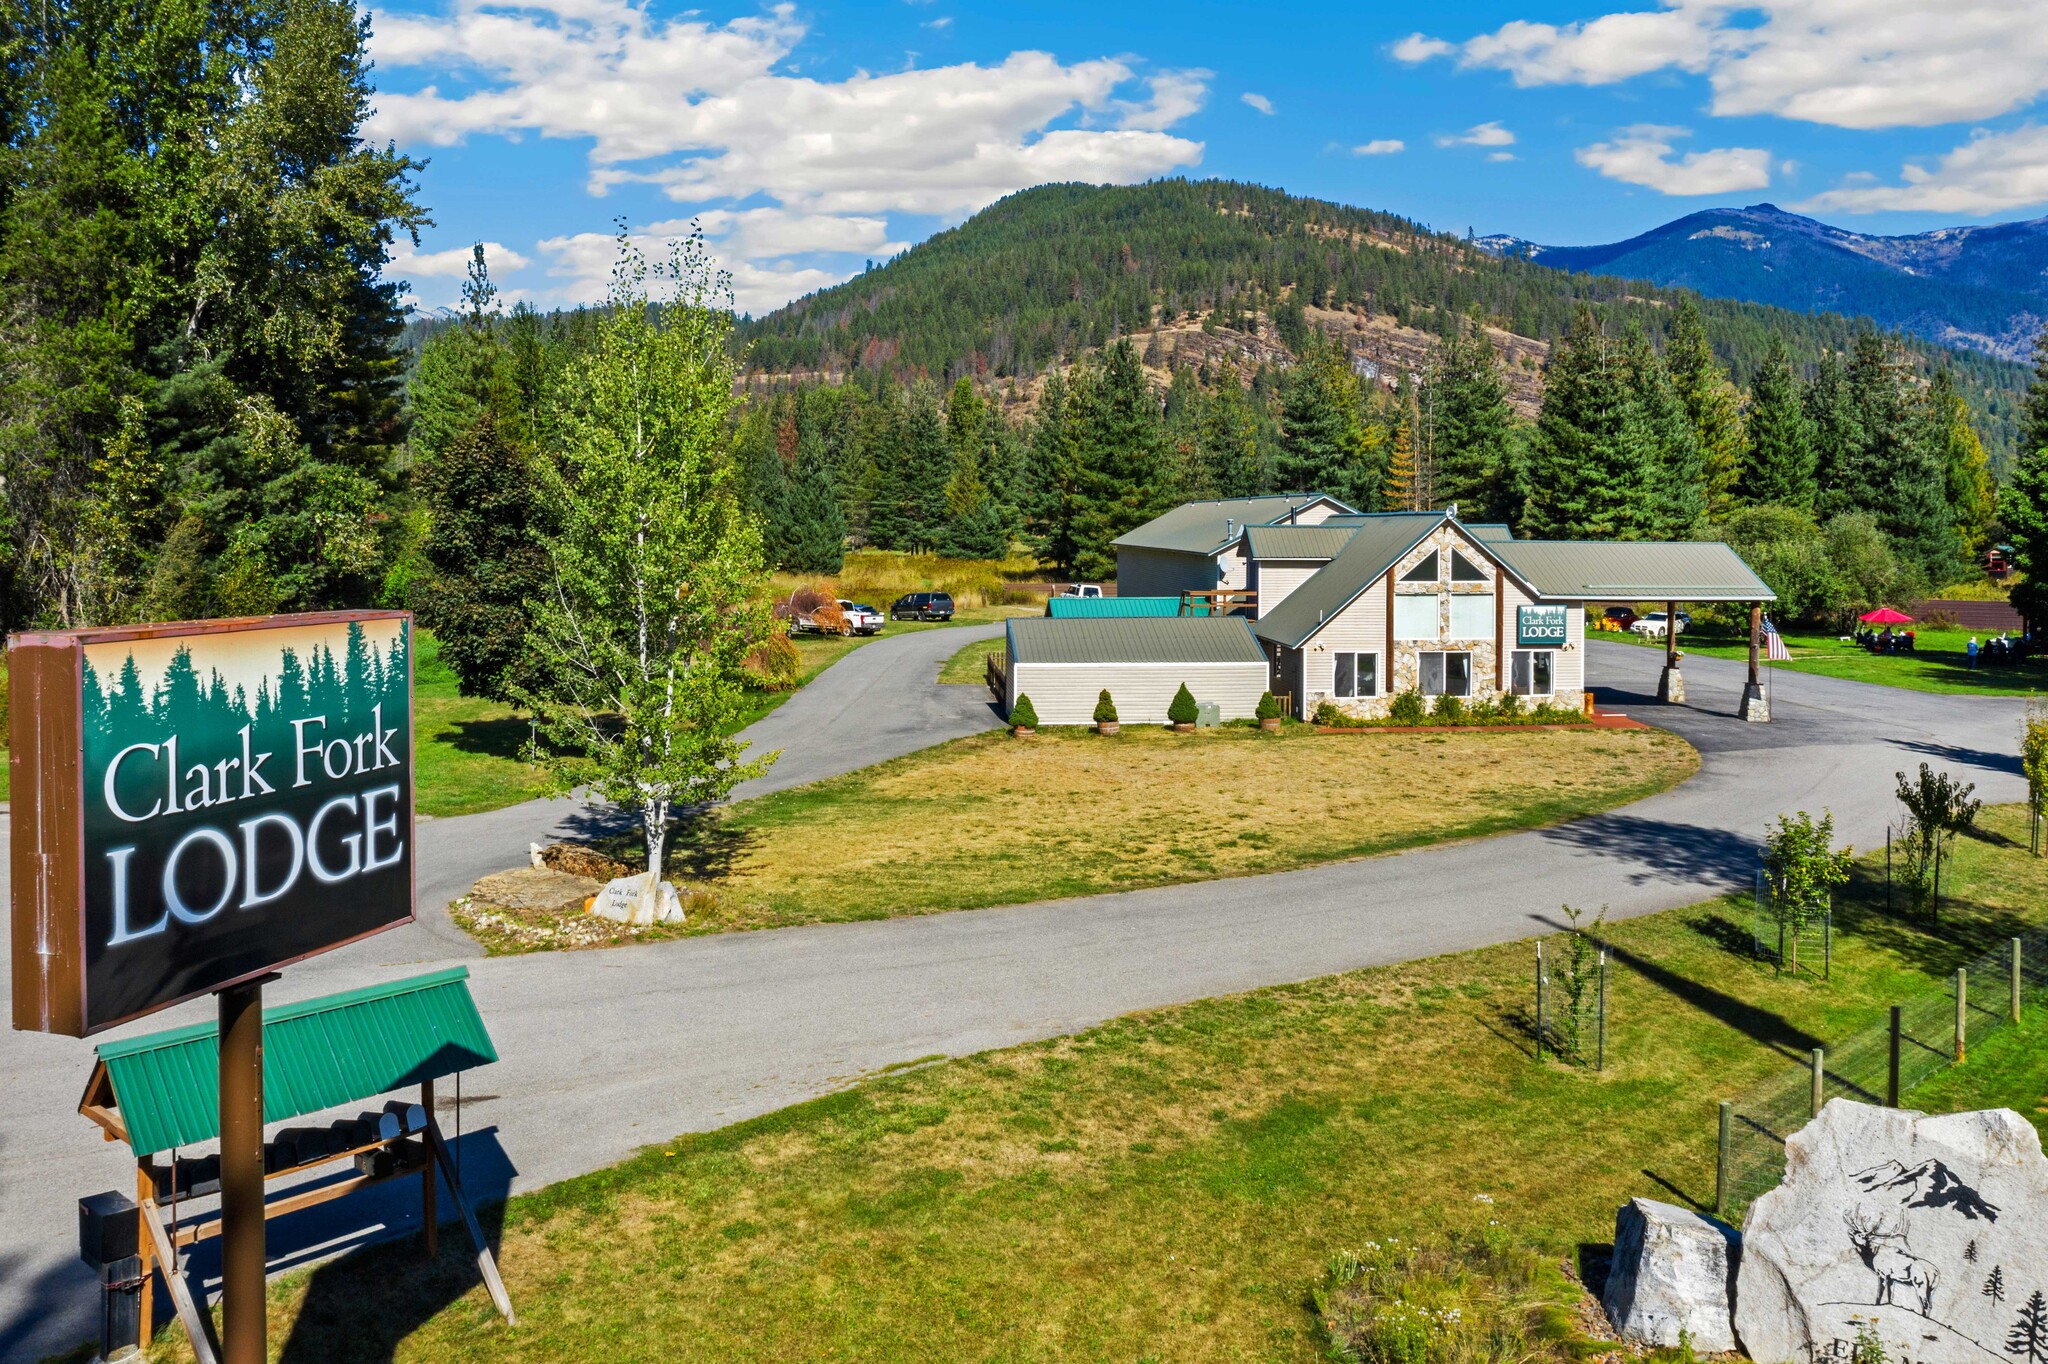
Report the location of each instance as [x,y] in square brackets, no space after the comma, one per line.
[1930,1184]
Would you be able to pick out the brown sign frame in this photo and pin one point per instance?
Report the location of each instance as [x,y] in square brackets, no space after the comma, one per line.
[46,765]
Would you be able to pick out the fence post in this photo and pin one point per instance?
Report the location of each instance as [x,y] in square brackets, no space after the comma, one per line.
[1600,1056]
[1934,905]
[1721,1160]
[1539,999]
[1962,1013]
[1891,1084]
[1820,1070]
[1827,943]
[2015,980]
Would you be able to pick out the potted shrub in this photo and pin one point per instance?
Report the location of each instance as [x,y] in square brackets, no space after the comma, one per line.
[1268,711]
[1181,710]
[1105,714]
[1023,717]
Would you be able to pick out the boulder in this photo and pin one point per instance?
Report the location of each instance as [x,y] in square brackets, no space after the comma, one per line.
[1673,1274]
[1930,1234]
[581,860]
[535,890]
[639,899]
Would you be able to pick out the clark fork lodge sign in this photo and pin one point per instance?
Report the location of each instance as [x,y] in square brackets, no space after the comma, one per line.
[198,804]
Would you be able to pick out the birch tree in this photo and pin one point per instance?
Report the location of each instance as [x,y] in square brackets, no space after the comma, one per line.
[654,588]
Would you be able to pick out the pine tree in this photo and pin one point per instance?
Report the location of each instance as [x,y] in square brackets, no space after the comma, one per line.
[2029,1335]
[1120,431]
[813,527]
[1230,435]
[1777,467]
[1838,437]
[764,478]
[1471,427]
[1676,494]
[1400,493]
[1319,433]
[2024,504]
[1054,512]
[1710,403]
[1994,1287]
[1594,458]
[1966,470]
[925,468]
[1895,474]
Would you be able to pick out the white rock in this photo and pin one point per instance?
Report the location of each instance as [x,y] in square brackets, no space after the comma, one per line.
[640,899]
[1930,1233]
[534,859]
[1673,1274]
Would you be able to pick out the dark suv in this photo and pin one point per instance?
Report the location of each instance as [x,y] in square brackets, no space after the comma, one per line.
[922,606]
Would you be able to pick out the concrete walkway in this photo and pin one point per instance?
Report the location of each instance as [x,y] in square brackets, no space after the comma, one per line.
[607,1051]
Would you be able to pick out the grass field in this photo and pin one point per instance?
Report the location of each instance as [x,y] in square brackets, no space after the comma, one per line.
[1170,1185]
[1938,662]
[964,825]
[969,663]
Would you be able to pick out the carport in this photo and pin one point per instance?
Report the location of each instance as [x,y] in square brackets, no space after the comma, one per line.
[1063,665]
[1688,573]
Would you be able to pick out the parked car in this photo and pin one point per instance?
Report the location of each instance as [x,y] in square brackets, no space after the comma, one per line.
[922,606]
[1616,618]
[1079,590]
[861,619]
[1652,626]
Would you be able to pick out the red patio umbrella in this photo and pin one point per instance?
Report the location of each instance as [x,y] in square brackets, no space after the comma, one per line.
[1884,615]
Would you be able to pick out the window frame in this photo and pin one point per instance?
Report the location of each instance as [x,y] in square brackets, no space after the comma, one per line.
[1515,662]
[1422,657]
[1479,572]
[1436,614]
[1492,615]
[1434,561]
[1356,693]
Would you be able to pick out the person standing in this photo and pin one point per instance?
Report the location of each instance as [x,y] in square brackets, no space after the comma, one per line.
[1971,650]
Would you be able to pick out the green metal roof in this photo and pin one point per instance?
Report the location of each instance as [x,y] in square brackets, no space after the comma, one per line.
[1323,542]
[1595,570]
[1489,532]
[1374,548]
[1205,527]
[1110,608]
[1186,639]
[317,1053]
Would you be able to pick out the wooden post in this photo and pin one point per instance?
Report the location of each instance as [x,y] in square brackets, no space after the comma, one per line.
[486,1265]
[1539,999]
[1962,1014]
[241,1174]
[1819,1079]
[1891,1086]
[1671,634]
[145,1189]
[1721,1159]
[430,1216]
[1756,639]
[1600,1060]
[2015,980]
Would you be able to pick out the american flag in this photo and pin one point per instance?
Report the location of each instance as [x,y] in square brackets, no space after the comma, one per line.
[1774,645]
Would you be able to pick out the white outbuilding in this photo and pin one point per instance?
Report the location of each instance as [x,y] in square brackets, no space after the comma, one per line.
[1064,665]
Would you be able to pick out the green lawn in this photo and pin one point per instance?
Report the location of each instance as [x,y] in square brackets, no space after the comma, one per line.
[970,663]
[1937,664]
[1170,1185]
[466,751]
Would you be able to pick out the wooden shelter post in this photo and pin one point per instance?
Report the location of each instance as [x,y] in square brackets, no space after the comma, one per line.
[241,1174]
[1756,706]
[1671,683]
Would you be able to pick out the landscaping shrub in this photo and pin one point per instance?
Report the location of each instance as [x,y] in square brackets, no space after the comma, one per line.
[1105,709]
[1509,706]
[1329,715]
[1472,1301]
[1408,708]
[1181,710]
[1023,714]
[1269,707]
[1450,710]
[774,664]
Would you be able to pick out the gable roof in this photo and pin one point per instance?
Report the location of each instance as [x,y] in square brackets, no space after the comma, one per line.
[1597,570]
[1206,527]
[1489,532]
[1323,541]
[1115,608]
[1184,639]
[1375,547]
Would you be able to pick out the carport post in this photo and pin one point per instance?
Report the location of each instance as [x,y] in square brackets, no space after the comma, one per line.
[1755,705]
[1671,686]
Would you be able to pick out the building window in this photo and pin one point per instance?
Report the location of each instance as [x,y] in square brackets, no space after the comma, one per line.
[1532,672]
[1424,572]
[1472,616]
[1446,674]
[1416,617]
[1463,570]
[1357,675]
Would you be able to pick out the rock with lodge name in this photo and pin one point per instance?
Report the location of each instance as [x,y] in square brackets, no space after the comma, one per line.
[1928,1233]
[1672,1277]
[640,899]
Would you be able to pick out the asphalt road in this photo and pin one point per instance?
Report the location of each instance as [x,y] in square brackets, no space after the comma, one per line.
[607,1051]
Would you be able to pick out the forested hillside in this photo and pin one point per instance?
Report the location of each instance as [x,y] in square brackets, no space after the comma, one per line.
[1051,272]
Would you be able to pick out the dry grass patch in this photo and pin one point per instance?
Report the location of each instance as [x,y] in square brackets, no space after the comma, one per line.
[967,824]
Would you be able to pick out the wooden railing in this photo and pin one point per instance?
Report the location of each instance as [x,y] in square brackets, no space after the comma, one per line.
[993,676]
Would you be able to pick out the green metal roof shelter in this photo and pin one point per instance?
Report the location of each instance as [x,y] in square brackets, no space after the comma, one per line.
[1111,608]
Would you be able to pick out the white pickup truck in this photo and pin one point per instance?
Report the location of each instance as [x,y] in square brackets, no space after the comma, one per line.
[1079,590]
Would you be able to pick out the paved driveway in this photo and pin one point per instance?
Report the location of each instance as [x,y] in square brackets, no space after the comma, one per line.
[606,1051]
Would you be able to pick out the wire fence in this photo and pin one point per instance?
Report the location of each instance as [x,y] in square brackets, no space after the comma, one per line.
[1925,1035]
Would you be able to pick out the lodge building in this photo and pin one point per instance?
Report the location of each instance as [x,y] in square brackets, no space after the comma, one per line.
[1305,597]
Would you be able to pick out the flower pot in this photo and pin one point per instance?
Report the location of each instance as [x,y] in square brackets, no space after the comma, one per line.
[1183,729]
[1107,726]
[1271,726]
[1022,731]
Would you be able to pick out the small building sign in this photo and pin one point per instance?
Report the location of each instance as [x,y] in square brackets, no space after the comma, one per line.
[198,804]
[1540,627]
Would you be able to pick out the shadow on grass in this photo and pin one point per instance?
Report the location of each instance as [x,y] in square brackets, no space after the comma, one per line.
[506,736]
[706,847]
[1685,1197]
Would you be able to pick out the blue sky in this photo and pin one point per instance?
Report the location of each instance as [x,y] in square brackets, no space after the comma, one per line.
[809,139]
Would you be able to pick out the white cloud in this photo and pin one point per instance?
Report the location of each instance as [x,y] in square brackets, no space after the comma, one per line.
[1258,102]
[1380,146]
[1642,155]
[1990,173]
[1489,134]
[709,113]
[1500,156]
[454,262]
[944,21]
[1848,63]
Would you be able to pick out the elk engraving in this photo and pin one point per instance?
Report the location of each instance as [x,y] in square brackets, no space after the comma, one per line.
[1882,1248]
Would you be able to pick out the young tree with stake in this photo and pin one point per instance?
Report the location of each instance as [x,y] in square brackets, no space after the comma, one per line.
[654,593]
[1803,868]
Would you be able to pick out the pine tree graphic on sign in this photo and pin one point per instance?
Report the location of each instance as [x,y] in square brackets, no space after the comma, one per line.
[2029,1335]
[1994,1287]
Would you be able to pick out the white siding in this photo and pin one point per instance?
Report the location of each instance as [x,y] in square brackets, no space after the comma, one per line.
[1157,573]
[1064,693]
[1314,514]
[1278,577]
[1359,628]
[1233,568]
[1568,675]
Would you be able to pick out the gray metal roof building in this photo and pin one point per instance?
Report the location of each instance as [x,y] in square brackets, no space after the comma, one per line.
[1608,570]
[1205,527]
[1181,639]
